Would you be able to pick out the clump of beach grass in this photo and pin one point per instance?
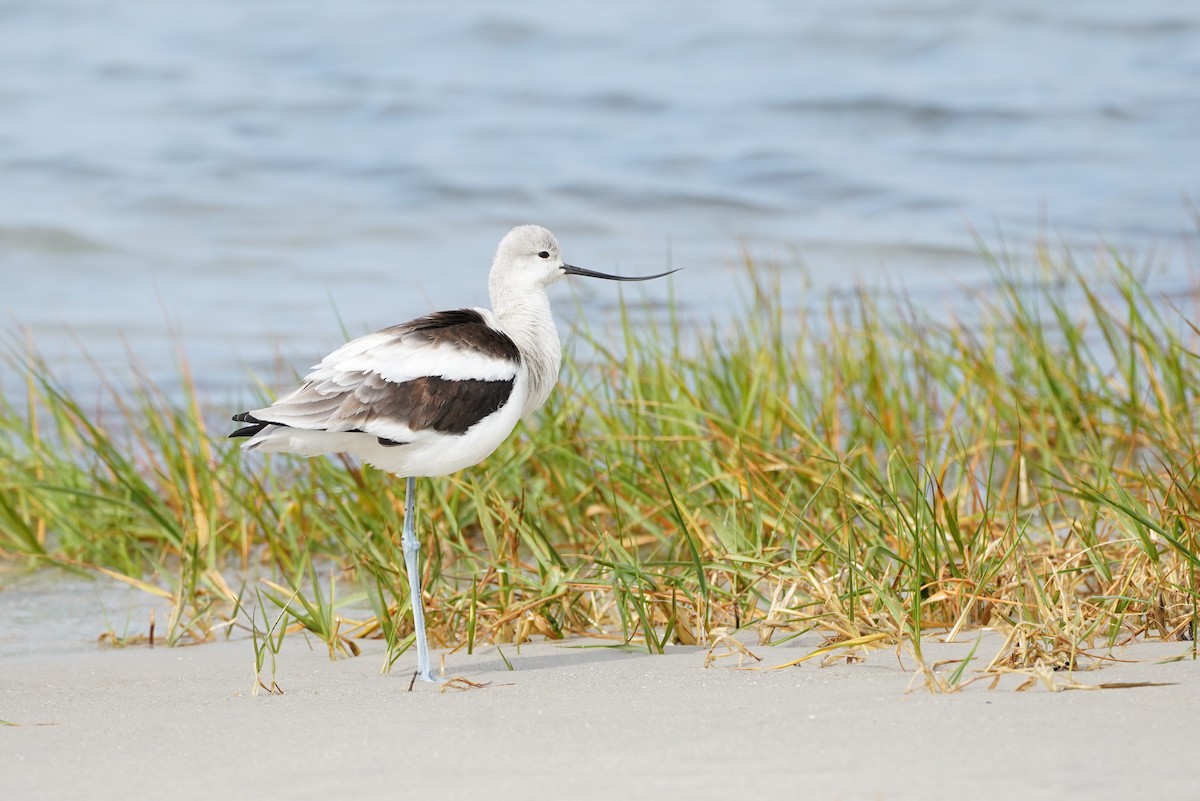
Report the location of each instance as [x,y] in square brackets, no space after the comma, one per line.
[863,470]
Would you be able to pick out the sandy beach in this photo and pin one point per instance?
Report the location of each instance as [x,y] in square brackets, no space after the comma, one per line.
[584,723]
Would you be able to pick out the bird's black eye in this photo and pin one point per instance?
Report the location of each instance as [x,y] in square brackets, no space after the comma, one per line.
[545,254]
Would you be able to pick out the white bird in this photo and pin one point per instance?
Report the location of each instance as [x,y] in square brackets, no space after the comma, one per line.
[436,394]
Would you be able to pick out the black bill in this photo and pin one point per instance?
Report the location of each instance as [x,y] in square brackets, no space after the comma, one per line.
[569,270]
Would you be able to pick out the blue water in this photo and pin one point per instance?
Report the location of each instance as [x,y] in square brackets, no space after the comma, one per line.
[237,175]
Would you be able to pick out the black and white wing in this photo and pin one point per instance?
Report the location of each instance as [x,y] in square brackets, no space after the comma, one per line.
[438,374]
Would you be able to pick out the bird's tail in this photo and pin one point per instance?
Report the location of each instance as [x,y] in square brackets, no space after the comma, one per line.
[256,426]
[266,436]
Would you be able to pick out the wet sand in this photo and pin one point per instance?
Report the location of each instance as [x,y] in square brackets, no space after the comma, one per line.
[586,723]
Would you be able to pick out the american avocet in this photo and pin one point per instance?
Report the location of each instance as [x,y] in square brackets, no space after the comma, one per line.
[436,394]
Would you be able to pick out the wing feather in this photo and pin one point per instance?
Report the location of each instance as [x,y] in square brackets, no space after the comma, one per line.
[441,373]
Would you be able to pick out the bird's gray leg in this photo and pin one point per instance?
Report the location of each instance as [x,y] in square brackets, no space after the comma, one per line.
[412,562]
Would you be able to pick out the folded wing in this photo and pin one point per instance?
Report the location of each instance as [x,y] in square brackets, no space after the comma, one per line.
[442,374]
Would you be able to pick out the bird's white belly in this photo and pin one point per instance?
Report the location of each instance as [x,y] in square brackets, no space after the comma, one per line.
[441,454]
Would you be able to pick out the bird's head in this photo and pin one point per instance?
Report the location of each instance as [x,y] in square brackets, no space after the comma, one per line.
[528,257]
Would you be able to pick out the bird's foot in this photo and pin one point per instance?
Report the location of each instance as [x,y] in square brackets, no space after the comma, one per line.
[425,675]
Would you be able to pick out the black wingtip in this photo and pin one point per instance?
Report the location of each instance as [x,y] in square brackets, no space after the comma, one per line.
[255,426]
[248,431]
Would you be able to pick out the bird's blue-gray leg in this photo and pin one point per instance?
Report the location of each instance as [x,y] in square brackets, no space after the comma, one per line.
[412,561]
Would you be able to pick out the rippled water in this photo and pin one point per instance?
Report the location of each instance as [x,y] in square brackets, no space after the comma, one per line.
[243,173]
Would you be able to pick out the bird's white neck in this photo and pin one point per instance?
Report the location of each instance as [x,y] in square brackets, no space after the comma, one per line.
[525,316]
